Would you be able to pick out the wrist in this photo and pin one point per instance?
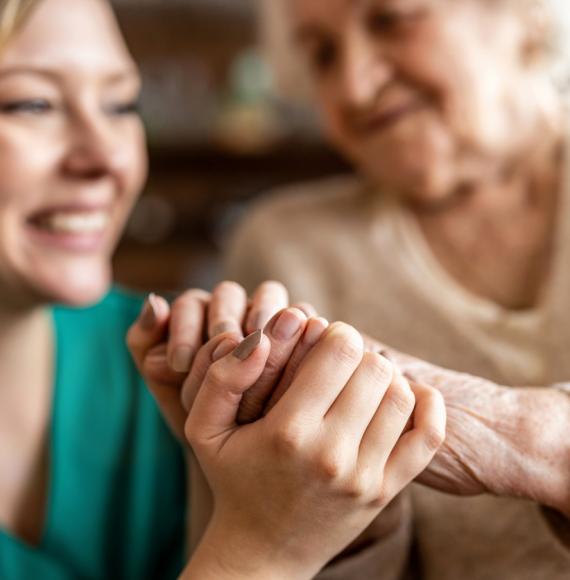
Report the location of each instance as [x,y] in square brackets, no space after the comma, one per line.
[541,448]
[226,555]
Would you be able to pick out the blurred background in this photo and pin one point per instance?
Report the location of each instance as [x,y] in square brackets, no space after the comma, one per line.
[218,136]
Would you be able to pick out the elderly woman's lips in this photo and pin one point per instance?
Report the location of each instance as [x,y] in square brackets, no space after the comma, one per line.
[385,119]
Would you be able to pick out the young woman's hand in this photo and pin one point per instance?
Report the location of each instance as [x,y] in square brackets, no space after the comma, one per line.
[292,489]
[165,338]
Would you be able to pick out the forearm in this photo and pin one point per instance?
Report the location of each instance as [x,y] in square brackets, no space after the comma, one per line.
[515,441]
[544,450]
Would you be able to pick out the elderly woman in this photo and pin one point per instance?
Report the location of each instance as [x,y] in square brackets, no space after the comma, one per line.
[453,244]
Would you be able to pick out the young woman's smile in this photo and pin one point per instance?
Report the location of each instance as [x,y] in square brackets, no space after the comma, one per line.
[72,152]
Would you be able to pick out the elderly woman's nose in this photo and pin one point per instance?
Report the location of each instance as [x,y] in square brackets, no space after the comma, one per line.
[365,72]
[94,149]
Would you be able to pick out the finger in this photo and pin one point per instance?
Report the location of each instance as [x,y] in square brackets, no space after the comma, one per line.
[416,448]
[314,330]
[388,424]
[155,368]
[149,329]
[214,412]
[268,299]
[322,375]
[213,350]
[227,309]
[284,332]
[361,398]
[188,313]
[165,385]
[309,310]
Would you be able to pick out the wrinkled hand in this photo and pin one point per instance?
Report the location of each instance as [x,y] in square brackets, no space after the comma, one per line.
[480,453]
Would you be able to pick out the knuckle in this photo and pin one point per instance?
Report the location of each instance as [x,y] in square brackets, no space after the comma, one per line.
[215,376]
[288,440]
[381,369]
[329,467]
[347,343]
[357,488]
[433,438]
[401,398]
[380,498]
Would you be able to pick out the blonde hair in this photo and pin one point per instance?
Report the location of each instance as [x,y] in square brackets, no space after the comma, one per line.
[13,13]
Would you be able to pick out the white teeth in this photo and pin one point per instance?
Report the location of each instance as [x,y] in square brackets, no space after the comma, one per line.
[76,223]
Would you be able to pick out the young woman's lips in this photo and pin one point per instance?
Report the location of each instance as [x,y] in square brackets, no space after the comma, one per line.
[76,230]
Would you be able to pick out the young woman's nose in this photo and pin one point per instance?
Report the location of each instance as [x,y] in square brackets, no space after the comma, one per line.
[365,71]
[95,149]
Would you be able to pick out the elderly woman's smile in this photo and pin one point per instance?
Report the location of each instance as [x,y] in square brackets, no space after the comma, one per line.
[422,94]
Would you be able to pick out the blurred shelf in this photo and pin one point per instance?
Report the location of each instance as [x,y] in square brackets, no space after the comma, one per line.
[189,52]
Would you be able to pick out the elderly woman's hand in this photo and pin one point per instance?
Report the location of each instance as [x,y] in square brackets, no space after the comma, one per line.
[506,441]
[293,488]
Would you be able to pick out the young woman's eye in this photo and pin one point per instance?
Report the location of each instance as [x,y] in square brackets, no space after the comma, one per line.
[26,106]
[124,109]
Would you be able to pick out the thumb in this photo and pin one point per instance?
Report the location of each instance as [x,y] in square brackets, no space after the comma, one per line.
[214,413]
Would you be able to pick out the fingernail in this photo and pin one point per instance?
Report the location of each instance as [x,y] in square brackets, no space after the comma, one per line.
[223,349]
[149,315]
[260,319]
[222,327]
[248,345]
[182,359]
[315,329]
[286,326]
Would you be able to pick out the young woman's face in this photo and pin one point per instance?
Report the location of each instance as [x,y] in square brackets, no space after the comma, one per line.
[425,96]
[72,152]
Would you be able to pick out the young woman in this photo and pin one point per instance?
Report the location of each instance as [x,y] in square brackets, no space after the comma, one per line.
[91,480]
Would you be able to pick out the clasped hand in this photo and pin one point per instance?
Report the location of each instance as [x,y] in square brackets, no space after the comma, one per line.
[302,435]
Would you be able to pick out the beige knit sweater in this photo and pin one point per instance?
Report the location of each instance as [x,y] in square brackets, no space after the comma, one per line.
[358,257]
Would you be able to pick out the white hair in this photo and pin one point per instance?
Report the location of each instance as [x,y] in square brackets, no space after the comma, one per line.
[291,79]
[560,11]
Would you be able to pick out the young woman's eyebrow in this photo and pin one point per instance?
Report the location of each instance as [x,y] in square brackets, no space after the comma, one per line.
[112,77]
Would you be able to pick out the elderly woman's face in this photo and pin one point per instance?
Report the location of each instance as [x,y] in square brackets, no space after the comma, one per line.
[72,151]
[423,95]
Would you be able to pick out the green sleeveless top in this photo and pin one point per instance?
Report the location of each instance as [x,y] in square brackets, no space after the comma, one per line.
[116,497]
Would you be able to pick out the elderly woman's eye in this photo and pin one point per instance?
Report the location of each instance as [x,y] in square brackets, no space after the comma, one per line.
[26,106]
[323,57]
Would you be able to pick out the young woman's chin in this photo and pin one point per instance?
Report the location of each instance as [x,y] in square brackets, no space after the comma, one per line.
[82,283]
